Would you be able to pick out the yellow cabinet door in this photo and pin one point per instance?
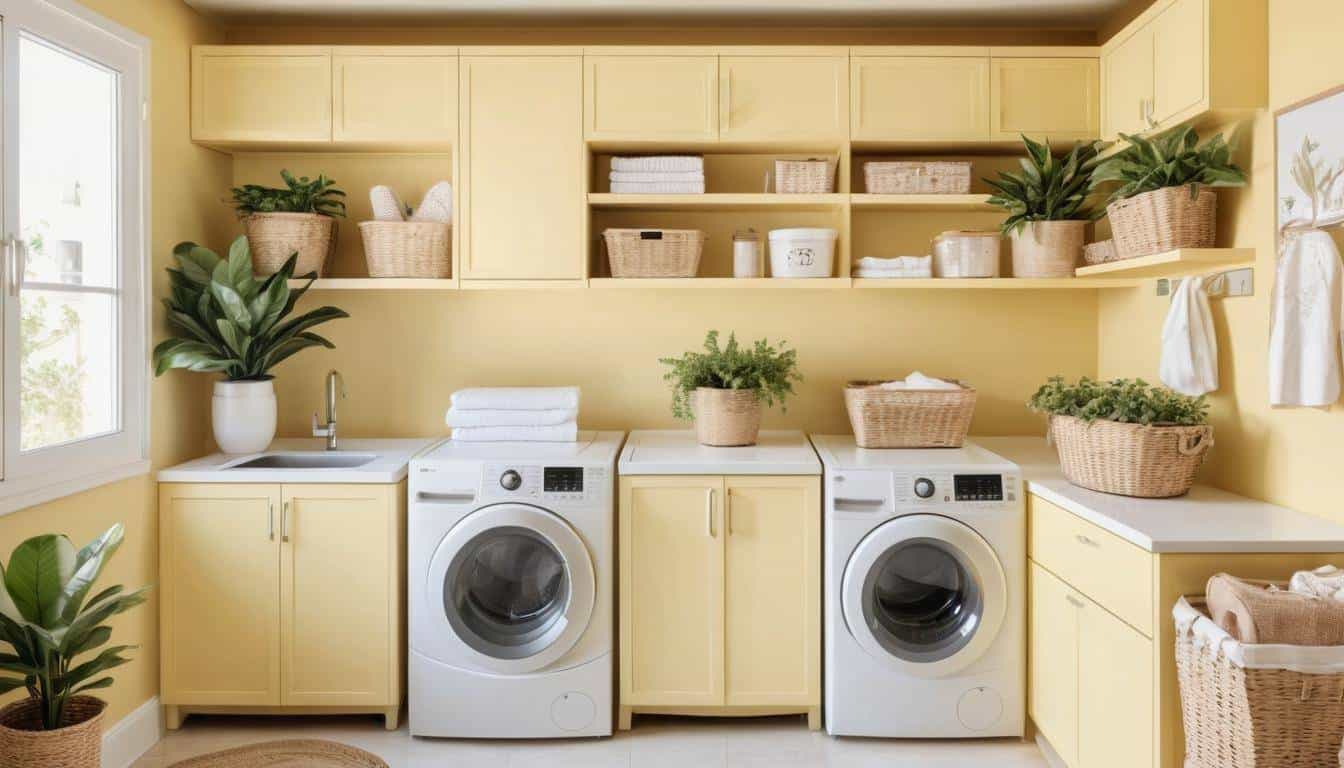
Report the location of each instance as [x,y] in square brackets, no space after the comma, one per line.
[1115,692]
[338,576]
[219,586]
[919,98]
[772,584]
[763,98]
[1053,662]
[664,98]
[1127,85]
[1179,62]
[243,93]
[671,589]
[523,157]
[1045,98]
[395,95]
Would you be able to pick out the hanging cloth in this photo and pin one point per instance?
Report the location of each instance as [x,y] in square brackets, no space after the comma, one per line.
[1304,339]
[1189,361]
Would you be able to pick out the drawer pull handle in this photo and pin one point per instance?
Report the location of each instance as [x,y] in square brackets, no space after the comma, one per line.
[859,505]
[1088,542]
[709,512]
[1075,602]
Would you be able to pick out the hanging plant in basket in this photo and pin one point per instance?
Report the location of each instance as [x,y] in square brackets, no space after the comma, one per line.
[1124,436]
[722,388]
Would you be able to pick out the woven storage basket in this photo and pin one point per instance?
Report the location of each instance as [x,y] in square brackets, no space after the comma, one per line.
[1150,462]
[78,745]
[1048,248]
[654,252]
[909,418]
[1239,713]
[1100,252]
[726,417]
[1163,220]
[274,237]
[907,177]
[802,177]
[407,248]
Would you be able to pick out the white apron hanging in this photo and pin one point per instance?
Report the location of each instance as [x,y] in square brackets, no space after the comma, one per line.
[1304,340]
[1189,361]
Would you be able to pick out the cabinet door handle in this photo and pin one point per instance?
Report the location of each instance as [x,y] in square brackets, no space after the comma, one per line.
[709,512]
[728,512]
[1086,541]
[270,519]
[1075,602]
[1148,113]
[284,523]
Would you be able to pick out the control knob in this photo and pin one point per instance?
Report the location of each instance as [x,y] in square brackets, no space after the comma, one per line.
[510,480]
[924,488]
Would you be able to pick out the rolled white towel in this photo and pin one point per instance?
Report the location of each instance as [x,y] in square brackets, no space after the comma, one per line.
[386,205]
[515,398]
[656,177]
[437,205]
[1326,581]
[658,188]
[555,433]
[510,418]
[668,163]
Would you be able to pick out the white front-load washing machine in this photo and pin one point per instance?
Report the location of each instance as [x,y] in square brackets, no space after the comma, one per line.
[925,592]
[510,588]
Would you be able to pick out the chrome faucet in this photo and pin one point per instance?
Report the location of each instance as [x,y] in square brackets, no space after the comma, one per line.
[335,385]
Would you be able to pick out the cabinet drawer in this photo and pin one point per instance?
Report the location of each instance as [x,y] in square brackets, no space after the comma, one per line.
[1114,573]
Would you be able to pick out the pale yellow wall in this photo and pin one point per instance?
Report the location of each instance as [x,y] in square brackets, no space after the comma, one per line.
[187,184]
[1290,457]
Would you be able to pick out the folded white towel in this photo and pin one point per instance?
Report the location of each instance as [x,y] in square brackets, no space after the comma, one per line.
[555,433]
[655,177]
[658,188]
[880,274]
[510,418]
[898,262]
[1326,581]
[672,163]
[918,380]
[515,398]
[437,205]
[386,205]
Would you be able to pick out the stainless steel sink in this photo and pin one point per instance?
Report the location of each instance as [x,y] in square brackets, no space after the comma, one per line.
[313,460]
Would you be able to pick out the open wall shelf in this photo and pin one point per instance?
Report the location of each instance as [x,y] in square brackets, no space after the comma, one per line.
[1178,263]
[723,201]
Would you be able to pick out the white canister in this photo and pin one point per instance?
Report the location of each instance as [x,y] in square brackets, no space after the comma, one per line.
[748,254]
[802,252]
[966,254]
[243,415]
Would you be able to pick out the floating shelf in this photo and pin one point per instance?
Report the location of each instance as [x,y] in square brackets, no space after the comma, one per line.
[1178,263]
[976,203]
[993,283]
[696,283]
[715,201]
[379,284]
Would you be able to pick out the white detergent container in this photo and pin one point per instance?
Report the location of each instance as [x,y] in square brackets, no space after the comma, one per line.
[802,252]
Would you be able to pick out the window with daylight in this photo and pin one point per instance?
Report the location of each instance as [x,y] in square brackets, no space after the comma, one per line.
[74,321]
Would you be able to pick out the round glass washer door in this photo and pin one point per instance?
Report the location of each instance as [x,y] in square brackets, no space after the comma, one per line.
[514,584]
[924,593]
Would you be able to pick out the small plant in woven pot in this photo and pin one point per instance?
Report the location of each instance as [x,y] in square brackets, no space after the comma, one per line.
[723,388]
[1125,436]
[298,218]
[56,627]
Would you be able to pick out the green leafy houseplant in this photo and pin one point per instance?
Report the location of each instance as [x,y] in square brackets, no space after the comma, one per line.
[1049,188]
[1128,401]
[299,195]
[1173,158]
[232,322]
[768,370]
[48,618]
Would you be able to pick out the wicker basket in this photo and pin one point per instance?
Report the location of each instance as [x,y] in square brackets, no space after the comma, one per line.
[909,418]
[654,252]
[907,177]
[1163,220]
[1150,462]
[726,417]
[1047,248]
[77,745]
[408,248]
[1100,252]
[804,177]
[1240,712]
[274,237]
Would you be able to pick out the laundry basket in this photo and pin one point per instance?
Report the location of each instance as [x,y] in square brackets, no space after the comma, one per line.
[1256,706]
[909,418]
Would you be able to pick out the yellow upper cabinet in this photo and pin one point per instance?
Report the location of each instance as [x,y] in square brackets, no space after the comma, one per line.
[651,97]
[1127,84]
[523,176]
[1178,60]
[1045,98]
[243,93]
[395,95]
[920,98]
[765,98]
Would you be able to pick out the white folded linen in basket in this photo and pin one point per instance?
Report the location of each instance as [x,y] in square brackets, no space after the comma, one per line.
[918,380]
[655,177]
[658,187]
[555,433]
[515,398]
[499,417]
[665,163]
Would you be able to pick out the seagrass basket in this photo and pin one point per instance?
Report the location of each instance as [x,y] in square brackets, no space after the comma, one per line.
[1151,462]
[408,248]
[77,745]
[274,237]
[909,418]
[1163,220]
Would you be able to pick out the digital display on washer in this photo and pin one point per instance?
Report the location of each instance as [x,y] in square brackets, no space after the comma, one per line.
[978,487]
[562,480]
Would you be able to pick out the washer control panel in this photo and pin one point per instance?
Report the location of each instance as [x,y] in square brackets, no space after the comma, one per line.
[942,487]
[543,483]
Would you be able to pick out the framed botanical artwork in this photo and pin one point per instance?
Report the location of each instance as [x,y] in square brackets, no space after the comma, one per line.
[1309,162]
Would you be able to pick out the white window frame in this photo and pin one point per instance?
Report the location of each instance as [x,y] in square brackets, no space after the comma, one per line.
[48,473]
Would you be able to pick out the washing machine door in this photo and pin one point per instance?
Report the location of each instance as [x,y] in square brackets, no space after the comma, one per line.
[924,593]
[511,590]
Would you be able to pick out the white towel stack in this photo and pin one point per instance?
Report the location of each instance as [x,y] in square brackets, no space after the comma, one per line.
[658,175]
[515,414]
[898,267]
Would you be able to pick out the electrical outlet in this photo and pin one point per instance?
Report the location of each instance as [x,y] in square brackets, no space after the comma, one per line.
[1163,287]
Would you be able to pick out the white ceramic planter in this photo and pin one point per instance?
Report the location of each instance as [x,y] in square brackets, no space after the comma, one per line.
[243,415]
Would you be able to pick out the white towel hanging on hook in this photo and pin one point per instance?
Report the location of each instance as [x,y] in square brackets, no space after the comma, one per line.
[1304,340]
[1189,361]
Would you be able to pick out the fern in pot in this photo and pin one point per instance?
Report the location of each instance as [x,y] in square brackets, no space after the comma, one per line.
[1124,436]
[299,217]
[723,388]
[240,326]
[1048,208]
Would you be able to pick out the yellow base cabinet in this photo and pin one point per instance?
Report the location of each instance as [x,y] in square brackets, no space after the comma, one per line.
[282,598]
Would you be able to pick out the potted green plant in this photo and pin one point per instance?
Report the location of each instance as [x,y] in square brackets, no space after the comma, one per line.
[296,218]
[1048,208]
[1124,436]
[1164,198]
[49,620]
[722,388]
[235,324]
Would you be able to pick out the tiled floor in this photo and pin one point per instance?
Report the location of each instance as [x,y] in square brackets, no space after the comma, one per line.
[653,743]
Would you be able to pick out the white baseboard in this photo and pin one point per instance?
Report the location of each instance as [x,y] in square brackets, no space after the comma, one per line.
[134,735]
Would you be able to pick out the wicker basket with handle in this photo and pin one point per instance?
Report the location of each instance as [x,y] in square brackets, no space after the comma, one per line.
[917,177]
[802,177]
[726,417]
[408,248]
[274,237]
[77,745]
[909,418]
[1163,220]
[1151,462]
[654,252]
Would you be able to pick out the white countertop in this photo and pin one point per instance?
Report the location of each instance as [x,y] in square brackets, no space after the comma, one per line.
[393,456]
[675,452]
[1204,520]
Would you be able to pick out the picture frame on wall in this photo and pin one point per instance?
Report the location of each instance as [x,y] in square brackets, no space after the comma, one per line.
[1309,162]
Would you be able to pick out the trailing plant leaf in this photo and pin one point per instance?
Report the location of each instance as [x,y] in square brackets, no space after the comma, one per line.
[1129,401]
[1049,188]
[768,370]
[299,195]
[1173,158]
